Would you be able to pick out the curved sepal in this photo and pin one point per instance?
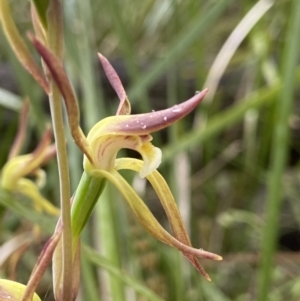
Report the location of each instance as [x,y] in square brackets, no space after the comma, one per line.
[149,222]
[167,200]
[61,79]
[124,106]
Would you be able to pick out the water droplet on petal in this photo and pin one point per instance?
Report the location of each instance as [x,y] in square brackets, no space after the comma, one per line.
[144,126]
[153,111]
[201,250]
[176,109]
[165,118]
[197,92]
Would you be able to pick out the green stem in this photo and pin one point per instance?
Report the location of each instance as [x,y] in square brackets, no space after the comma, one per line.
[279,151]
[55,43]
[85,199]
[64,182]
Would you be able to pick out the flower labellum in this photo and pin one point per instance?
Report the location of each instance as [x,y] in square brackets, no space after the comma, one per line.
[13,291]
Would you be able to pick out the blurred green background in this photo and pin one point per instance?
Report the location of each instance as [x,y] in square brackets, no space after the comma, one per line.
[233,165]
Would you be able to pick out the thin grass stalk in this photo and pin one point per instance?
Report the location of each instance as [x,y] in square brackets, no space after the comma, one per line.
[221,121]
[89,281]
[222,60]
[26,86]
[231,45]
[108,240]
[93,103]
[172,99]
[13,203]
[139,287]
[279,151]
[198,26]
[10,101]
[210,291]
[127,46]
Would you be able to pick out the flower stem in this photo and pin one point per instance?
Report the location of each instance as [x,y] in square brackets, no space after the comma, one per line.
[55,43]
[86,197]
[64,183]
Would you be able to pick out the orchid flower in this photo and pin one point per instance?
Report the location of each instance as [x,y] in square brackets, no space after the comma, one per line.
[100,149]
[14,172]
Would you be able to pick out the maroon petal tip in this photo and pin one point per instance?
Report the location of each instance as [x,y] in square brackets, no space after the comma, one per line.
[154,121]
[114,80]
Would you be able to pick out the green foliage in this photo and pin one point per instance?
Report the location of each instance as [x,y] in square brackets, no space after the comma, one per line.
[240,179]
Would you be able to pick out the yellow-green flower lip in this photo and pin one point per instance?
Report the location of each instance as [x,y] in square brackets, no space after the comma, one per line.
[13,291]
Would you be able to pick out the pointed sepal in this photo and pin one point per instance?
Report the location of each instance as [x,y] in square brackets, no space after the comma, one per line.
[124,105]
